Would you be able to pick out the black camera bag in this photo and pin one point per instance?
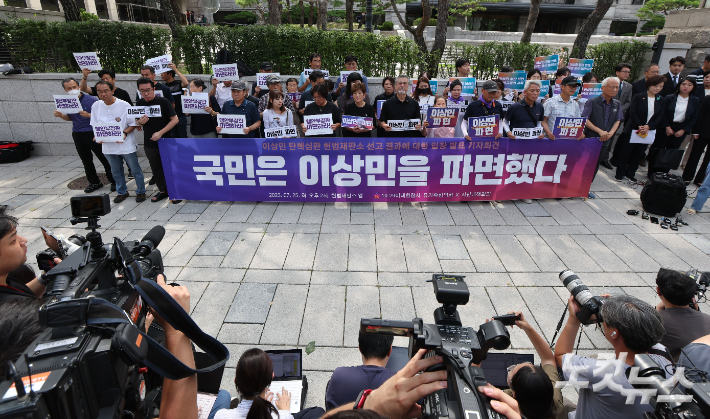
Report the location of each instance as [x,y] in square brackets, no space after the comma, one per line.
[664,195]
[13,152]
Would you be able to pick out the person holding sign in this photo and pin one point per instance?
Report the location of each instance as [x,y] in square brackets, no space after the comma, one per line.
[273,81]
[441,132]
[400,110]
[527,114]
[561,106]
[222,91]
[153,130]
[350,65]
[276,113]
[486,105]
[315,78]
[645,115]
[240,106]
[423,95]
[83,136]
[110,109]
[203,125]
[256,91]
[105,75]
[463,69]
[149,72]
[388,86]
[354,80]
[176,86]
[360,107]
[535,74]
[306,82]
[321,106]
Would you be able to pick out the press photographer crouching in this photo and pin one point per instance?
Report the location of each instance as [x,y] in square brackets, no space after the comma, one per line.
[681,319]
[632,327]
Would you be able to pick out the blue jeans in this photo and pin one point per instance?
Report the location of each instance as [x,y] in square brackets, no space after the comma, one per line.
[116,162]
[222,402]
[703,193]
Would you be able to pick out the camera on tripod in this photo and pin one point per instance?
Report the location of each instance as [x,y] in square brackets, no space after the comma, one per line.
[459,346]
[88,369]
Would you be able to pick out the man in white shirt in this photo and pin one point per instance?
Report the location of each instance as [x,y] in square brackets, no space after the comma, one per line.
[221,91]
[111,110]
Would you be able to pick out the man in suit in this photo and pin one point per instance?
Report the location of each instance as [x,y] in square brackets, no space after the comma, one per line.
[623,71]
[676,65]
[639,86]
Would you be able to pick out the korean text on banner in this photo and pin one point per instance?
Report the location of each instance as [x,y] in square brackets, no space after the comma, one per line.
[261,79]
[442,117]
[318,124]
[225,72]
[295,96]
[160,64]
[403,124]
[547,63]
[67,104]
[307,72]
[195,104]
[591,90]
[484,127]
[281,132]
[376,169]
[357,122]
[569,128]
[88,60]
[344,75]
[108,133]
[150,111]
[232,124]
[468,85]
[578,67]
[527,133]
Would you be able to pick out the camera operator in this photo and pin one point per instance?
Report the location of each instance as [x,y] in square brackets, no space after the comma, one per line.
[632,327]
[13,253]
[697,355]
[676,291]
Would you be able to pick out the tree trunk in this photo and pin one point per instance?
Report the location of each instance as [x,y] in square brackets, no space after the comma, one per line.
[323,15]
[71,10]
[302,18]
[288,12]
[437,49]
[170,17]
[418,32]
[532,19]
[310,14]
[349,14]
[274,12]
[590,25]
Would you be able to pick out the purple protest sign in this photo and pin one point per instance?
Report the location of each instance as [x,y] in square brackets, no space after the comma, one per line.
[569,128]
[67,104]
[376,169]
[294,96]
[379,107]
[442,117]
[357,122]
[484,127]
[87,60]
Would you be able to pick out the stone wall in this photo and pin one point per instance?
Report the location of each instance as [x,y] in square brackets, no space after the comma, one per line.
[690,27]
[27,107]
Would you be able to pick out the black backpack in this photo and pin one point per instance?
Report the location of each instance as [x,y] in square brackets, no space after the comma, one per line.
[664,194]
[13,152]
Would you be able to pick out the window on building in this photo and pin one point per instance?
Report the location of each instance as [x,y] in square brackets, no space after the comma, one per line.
[51,5]
[16,3]
[101,9]
[619,27]
[492,23]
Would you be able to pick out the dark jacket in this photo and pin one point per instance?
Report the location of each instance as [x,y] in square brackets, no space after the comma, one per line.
[702,125]
[639,86]
[691,113]
[638,113]
[668,86]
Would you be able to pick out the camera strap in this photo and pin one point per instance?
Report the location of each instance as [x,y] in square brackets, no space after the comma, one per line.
[159,358]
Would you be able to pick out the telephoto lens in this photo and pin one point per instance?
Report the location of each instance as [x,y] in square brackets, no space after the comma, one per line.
[575,286]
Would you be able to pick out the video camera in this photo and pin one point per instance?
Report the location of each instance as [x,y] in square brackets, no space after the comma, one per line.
[693,402]
[458,346]
[702,280]
[591,305]
[90,361]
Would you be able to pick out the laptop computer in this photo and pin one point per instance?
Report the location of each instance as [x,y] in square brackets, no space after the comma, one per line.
[288,374]
[495,366]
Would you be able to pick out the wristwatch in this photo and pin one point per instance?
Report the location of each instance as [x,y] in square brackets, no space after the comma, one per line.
[360,401]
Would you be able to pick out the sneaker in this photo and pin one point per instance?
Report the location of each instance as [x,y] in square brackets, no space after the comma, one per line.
[113,187]
[140,197]
[591,196]
[120,198]
[527,201]
[618,179]
[92,187]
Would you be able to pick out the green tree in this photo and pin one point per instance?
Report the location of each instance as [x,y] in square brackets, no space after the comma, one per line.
[664,7]
[656,22]
[260,6]
[532,19]
[590,25]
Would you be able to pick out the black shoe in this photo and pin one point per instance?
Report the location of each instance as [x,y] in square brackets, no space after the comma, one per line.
[607,165]
[633,179]
[643,162]
[612,162]
[151,181]
[120,198]
[92,187]
[113,187]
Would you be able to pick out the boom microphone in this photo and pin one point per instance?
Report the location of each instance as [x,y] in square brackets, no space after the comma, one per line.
[150,241]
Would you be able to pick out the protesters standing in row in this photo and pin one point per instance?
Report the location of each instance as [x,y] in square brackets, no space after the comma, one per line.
[239,105]
[306,83]
[110,109]
[176,86]
[201,125]
[360,107]
[399,108]
[83,136]
[486,105]
[154,129]
[321,106]
[105,75]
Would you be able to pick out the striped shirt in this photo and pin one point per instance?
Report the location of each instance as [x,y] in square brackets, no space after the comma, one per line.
[555,108]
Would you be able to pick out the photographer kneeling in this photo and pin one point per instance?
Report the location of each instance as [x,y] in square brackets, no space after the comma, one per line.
[632,327]
[676,291]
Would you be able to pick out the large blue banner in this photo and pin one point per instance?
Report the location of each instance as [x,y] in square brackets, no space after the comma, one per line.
[376,169]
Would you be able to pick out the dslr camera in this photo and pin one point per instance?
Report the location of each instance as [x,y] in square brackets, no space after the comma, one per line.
[702,279]
[78,366]
[459,346]
[591,305]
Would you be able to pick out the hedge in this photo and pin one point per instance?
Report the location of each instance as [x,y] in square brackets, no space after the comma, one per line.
[124,47]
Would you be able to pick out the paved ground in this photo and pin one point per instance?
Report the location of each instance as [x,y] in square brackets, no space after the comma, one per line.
[275,275]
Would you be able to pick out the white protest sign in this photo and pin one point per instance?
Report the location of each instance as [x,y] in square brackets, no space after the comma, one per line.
[403,124]
[225,72]
[195,104]
[261,79]
[157,92]
[527,133]
[232,124]
[160,64]
[67,104]
[307,72]
[87,60]
[647,139]
[318,124]
[308,102]
[344,75]
[281,132]
[108,133]
[139,111]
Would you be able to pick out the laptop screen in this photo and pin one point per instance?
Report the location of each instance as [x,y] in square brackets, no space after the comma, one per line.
[495,366]
[287,363]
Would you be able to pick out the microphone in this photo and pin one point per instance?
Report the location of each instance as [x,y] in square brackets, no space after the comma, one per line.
[150,241]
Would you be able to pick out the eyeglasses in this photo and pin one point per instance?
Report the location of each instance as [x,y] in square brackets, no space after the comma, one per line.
[145,91]
[512,367]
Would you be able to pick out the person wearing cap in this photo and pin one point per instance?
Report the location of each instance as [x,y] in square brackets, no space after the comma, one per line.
[256,91]
[486,105]
[222,91]
[274,83]
[240,106]
[561,106]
